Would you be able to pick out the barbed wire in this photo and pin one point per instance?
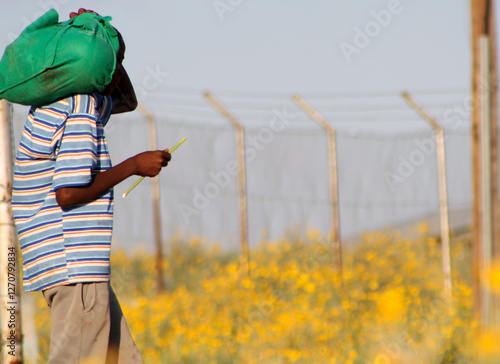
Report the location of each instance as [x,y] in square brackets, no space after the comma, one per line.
[317,95]
[338,108]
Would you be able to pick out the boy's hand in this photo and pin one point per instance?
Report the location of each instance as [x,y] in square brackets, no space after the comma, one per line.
[80,12]
[149,164]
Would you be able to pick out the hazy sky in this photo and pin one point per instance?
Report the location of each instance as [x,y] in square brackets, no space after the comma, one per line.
[280,45]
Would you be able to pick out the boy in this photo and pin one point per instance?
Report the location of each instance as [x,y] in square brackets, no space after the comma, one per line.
[63,209]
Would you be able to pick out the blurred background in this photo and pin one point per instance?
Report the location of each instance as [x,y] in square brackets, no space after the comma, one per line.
[350,61]
[208,70]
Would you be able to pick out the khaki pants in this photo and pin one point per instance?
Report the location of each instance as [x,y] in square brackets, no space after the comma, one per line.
[88,327]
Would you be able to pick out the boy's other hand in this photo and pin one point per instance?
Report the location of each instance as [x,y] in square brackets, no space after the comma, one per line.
[80,12]
[149,164]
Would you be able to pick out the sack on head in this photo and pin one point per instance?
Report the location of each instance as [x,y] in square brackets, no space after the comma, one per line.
[50,60]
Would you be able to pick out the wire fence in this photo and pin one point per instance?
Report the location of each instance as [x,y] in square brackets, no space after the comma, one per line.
[386,164]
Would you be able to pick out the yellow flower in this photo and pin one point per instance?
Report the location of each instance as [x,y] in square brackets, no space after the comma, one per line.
[309,287]
[493,277]
[294,307]
[487,344]
[391,305]
[292,355]
[423,228]
[313,234]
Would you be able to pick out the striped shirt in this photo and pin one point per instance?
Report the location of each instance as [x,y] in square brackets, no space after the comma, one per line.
[63,145]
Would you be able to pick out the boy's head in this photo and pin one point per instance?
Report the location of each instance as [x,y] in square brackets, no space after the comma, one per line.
[120,85]
[119,70]
[120,88]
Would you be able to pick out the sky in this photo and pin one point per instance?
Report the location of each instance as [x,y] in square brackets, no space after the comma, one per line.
[280,46]
[268,48]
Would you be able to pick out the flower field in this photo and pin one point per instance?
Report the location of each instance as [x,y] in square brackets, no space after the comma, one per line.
[292,307]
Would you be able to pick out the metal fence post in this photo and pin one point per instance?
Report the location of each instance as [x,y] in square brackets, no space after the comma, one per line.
[155,185]
[240,145]
[332,160]
[488,302]
[443,194]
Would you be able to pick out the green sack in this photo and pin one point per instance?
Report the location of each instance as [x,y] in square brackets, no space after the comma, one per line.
[50,60]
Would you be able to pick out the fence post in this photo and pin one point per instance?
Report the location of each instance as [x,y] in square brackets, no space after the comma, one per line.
[240,145]
[10,318]
[484,83]
[443,194]
[332,160]
[155,186]
[488,313]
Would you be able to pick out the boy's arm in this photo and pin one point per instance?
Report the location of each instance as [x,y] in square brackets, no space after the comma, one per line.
[147,164]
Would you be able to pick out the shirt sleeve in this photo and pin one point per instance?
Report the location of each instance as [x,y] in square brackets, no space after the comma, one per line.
[76,157]
[107,108]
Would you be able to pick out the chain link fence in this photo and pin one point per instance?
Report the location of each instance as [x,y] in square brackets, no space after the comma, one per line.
[386,158]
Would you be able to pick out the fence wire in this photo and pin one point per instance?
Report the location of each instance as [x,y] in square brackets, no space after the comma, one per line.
[386,165]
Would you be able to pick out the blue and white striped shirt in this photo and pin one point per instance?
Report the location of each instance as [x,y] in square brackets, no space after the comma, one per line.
[63,145]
